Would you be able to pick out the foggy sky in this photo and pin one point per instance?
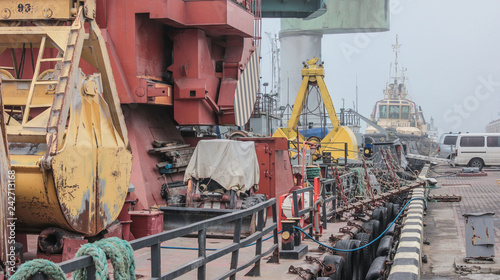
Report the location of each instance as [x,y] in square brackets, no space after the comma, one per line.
[451,50]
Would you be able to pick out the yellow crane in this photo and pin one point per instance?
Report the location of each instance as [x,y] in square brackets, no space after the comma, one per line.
[334,142]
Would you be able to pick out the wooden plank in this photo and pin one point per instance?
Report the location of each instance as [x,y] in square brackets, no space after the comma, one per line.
[165,149]
[174,170]
[181,151]
[176,164]
[162,143]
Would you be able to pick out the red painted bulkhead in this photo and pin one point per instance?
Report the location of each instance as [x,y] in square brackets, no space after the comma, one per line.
[197,47]
[275,168]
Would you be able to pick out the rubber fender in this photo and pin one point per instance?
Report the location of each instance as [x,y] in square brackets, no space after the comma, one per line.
[367,252]
[376,214]
[348,257]
[372,227]
[389,206]
[376,269]
[338,263]
[357,259]
[377,227]
[385,246]
[395,210]
[381,215]
[368,228]
[390,231]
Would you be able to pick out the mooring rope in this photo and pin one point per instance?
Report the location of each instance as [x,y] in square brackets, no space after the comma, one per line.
[121,255]
[100,262]
[28,269]
[117,250]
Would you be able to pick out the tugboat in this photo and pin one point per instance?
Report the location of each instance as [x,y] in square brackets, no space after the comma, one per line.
[397,111]
[401,116]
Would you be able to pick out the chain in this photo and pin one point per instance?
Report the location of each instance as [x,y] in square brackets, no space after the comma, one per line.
[300,271]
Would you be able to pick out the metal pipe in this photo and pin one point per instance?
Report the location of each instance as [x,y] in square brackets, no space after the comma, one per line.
[316,214]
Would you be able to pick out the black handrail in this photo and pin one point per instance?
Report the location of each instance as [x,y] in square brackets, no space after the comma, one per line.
[332,198]
[298,213]
[154,241]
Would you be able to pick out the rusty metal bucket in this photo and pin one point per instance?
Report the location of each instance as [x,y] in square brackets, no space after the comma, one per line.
[68,146]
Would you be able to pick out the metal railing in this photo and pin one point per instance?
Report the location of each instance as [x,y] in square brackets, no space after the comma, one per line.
[350,184]
[350,191]
[327,198]
[154,242]
[331,198]
[310,208]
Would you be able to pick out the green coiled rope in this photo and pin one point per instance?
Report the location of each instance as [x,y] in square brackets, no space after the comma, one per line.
[313,172]
[100,262]
[117,250]
[28,269]
[121,255]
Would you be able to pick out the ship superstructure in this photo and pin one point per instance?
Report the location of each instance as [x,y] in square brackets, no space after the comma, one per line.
[397,111]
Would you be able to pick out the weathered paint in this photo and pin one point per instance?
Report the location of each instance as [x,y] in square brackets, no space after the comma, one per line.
[74,160]
[4,182]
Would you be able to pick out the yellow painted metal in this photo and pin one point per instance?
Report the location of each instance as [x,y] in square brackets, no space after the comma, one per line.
[19,90]
[5,177]
[4,74]
[312,75]
[32,85]
[36,10]
[71,153]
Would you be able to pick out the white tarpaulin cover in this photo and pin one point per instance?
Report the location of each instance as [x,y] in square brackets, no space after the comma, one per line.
[232,164]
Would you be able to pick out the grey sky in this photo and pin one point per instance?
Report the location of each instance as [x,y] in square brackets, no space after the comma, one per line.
[451,50]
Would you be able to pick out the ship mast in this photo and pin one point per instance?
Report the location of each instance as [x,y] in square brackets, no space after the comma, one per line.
[395,47]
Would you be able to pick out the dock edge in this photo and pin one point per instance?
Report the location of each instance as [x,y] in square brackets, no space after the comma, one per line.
[407,261]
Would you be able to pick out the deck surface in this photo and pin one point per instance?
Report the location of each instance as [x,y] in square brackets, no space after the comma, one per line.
[445,228]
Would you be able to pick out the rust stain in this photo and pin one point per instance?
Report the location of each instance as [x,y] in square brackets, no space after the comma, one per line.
[487,234]
[474,236]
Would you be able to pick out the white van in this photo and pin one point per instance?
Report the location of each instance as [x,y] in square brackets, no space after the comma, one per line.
[447,143]
[478,149]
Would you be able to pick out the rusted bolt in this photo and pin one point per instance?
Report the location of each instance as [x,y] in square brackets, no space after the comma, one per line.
[47,13]
[6,13]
